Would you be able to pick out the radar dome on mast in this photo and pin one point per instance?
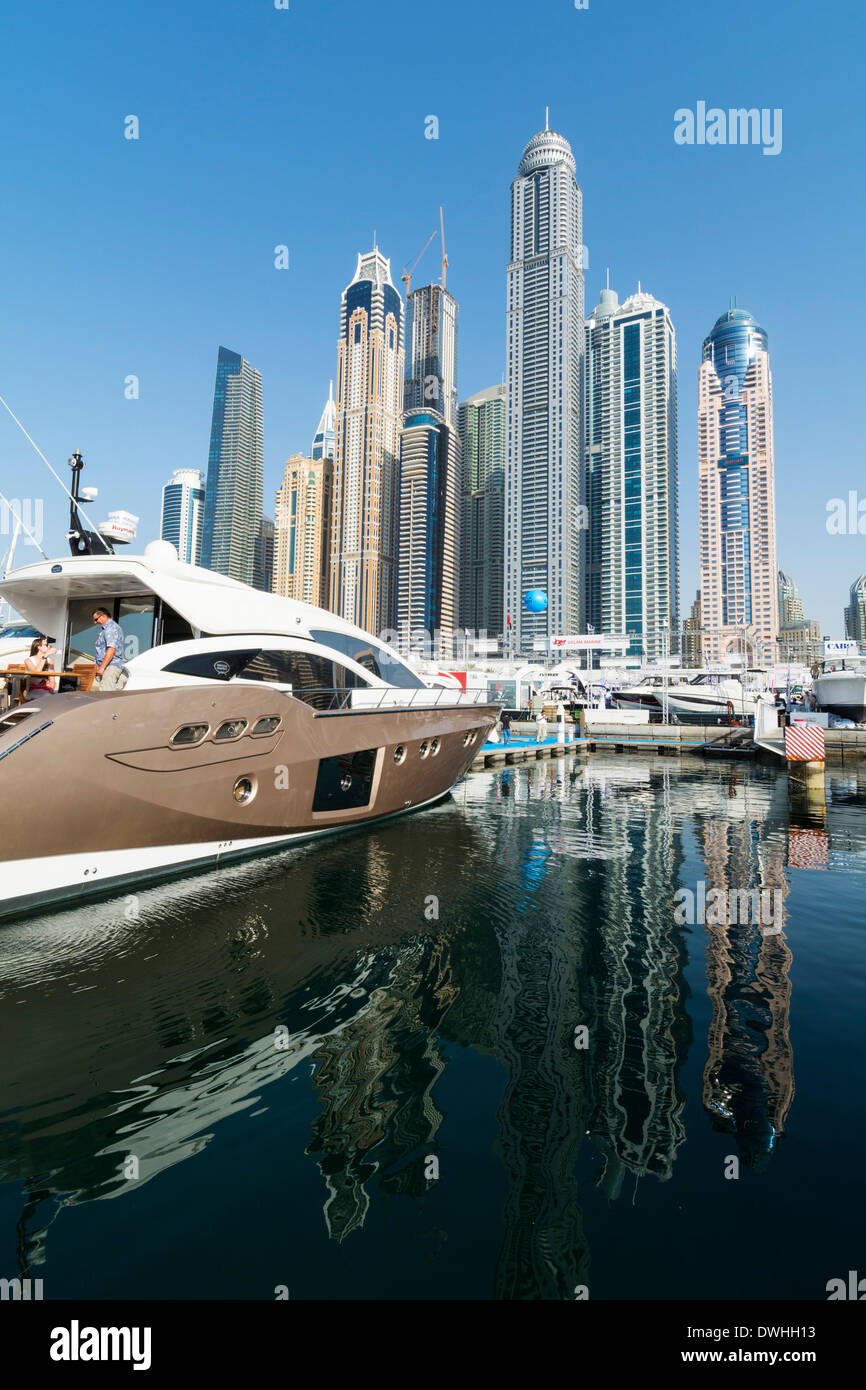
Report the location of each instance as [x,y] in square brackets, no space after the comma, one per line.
[120,528]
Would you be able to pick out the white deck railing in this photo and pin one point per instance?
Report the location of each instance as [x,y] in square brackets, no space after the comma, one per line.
[393,698]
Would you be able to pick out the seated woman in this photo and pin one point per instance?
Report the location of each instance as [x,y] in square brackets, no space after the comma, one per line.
[39,661]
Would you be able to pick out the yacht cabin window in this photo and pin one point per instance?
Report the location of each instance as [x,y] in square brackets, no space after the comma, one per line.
[313,678]
[213,666]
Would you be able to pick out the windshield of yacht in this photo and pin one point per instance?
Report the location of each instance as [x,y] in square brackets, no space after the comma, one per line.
[378,660]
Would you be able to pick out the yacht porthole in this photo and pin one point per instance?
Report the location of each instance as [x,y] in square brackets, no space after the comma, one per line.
[268,725]
[231,729]
[424,749]
[188,734]
[467,739]
[399,754]
[434,747]
[244,790]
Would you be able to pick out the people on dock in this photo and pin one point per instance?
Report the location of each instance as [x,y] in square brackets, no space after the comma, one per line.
[540,727]
[505,723]
[110,674]
[40,662]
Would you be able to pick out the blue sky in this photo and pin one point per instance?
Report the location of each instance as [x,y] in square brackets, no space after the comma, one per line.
[305,127]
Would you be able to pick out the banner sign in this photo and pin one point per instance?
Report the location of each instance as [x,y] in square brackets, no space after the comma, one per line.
[590,641]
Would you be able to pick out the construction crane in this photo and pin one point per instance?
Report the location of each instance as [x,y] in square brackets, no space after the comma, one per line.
[406,277]
[444,254]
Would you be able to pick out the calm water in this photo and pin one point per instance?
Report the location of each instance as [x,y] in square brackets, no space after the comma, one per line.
[285,1052]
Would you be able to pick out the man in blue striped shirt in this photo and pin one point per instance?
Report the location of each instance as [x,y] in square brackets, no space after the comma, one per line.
[110,674]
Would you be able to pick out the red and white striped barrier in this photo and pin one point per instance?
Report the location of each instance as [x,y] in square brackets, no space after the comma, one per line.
[804,743]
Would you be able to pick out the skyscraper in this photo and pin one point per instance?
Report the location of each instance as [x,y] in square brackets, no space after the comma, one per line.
[481,426]
[431,495]
[233,495]
[544,479]
[431,481]
[790,603]
[631,413]
[737,502]
[799,636]
[263,567]
[302,558]
[323,440]
[369,408]
[855,613]
[431,360]
[181,518]
[691,652]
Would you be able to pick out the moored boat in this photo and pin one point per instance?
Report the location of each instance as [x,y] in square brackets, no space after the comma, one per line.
[716,696]
[249,722]
[842,691]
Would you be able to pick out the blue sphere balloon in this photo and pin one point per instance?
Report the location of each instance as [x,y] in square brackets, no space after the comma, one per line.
[535,601]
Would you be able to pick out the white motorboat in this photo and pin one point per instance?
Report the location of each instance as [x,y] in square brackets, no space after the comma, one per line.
[647,692]
[16,639]
[716,696]
[841,689]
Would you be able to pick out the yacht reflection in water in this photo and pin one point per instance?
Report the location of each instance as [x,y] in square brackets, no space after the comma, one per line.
[555,887]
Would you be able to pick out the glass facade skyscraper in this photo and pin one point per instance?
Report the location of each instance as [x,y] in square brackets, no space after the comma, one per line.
[790,603]
[855,613]
[431,361]
[431,480]
[429,532]
[233,496]
[323,440]
[182,511]
[544,478]
[631,395]
[737,499]
[481,426]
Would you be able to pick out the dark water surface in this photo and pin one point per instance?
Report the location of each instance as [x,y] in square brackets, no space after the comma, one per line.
[248,1079]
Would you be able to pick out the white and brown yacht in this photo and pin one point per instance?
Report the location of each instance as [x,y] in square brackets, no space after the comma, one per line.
[249,722]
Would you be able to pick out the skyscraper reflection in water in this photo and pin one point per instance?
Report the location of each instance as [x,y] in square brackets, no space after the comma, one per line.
[642,1028]
[748,1083]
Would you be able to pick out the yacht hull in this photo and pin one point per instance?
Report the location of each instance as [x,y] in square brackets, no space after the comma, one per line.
[713,707]
[636,699]
[97,796]
[842,693]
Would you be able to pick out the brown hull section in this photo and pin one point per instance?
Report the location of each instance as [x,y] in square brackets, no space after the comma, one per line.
[105,775]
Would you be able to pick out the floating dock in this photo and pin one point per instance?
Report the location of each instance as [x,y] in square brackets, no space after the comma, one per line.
[656,740]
